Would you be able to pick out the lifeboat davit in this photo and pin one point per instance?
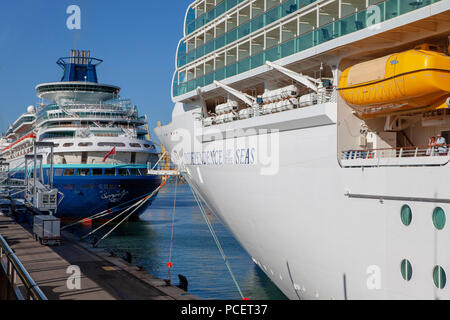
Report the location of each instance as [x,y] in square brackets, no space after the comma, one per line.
[414,79]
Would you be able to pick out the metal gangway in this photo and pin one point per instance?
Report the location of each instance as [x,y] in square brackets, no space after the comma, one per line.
[41,196]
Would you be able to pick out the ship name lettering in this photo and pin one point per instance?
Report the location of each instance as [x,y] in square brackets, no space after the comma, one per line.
[245,156]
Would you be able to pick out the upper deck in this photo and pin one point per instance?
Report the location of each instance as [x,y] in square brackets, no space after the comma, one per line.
[251,32]
[79,81]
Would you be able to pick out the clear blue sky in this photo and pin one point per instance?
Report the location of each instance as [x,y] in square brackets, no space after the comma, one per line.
[137,39]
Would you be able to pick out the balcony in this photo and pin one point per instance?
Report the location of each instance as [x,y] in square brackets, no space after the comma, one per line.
[358,21]
[407,156]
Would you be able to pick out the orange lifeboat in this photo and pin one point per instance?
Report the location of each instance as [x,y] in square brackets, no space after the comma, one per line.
[414,79]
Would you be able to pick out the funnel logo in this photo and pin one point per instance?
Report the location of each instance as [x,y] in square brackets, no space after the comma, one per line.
[74,20]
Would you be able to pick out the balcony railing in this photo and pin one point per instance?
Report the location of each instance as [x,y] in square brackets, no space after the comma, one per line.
[256,23]
[212,14]
[389,9]
[65,117]
[405,152]
[327,96]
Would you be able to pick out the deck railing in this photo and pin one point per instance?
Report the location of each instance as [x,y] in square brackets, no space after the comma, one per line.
[327,96]
[404,152]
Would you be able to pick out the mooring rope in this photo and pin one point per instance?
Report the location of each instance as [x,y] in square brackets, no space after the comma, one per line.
[169,265]
[216,239]
[142,202]
[111,220]
[197,198]
[106,212]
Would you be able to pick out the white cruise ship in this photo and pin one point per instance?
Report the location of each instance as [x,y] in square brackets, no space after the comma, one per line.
[102,147]
[317,131]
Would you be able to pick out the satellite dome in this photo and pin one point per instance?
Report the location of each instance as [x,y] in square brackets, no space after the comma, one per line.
[31,109]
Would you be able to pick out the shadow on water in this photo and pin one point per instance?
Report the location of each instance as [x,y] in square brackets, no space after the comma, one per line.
[195,254]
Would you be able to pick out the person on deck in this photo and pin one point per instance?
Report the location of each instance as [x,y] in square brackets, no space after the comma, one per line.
[441,145]
[431,144]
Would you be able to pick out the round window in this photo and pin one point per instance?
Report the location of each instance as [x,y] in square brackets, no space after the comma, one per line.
[406,269]
[439,218]
[406,215]
[439,277]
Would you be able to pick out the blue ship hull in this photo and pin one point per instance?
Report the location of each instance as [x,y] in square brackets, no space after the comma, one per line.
[88,195]
[84,197]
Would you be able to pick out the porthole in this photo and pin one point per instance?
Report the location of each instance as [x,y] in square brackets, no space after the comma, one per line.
[406,269]
[439,218]
[439,277]
[406,215]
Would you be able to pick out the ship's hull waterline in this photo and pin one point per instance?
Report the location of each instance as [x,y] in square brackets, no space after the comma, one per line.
[304,231]
[86,196]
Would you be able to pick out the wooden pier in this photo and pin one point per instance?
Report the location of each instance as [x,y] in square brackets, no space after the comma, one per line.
[103,277]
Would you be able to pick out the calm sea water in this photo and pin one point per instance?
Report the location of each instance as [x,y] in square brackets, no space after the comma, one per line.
[195,254]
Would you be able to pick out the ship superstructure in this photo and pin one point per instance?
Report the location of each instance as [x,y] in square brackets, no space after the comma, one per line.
[307,127]
[102,147]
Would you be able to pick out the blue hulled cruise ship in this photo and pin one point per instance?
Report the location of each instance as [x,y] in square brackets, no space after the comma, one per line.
[102,147]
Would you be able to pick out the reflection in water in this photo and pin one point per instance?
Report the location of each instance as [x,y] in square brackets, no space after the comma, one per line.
[195,254]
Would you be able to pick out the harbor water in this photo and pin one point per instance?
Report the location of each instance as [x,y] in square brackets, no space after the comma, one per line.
[194,252]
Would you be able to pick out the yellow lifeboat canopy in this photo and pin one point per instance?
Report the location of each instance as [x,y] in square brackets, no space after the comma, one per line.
[414,79]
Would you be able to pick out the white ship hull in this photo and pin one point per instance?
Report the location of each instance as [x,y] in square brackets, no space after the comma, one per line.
[322,220]
[301,219]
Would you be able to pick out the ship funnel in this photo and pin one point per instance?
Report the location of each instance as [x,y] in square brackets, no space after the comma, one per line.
[79,67]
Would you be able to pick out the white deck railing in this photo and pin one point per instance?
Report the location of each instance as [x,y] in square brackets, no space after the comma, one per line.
[406,152]
[326,96]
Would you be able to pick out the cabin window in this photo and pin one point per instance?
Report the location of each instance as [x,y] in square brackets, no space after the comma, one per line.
[59,172]
[147,146]
[83,172]
[439,218]
[67,145]
[85,144]
[439,277]
[406,269]
[110,172]
[123,172]
[135,172]
[97,172]
[406,215]
[111,144]
[135,145]
[69,172]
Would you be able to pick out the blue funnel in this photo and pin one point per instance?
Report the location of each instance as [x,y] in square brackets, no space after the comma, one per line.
[79,67]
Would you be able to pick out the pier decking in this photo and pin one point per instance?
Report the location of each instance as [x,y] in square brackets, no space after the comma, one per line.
[102,277]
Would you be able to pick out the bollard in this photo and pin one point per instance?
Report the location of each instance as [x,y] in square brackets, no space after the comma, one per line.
[183,282]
